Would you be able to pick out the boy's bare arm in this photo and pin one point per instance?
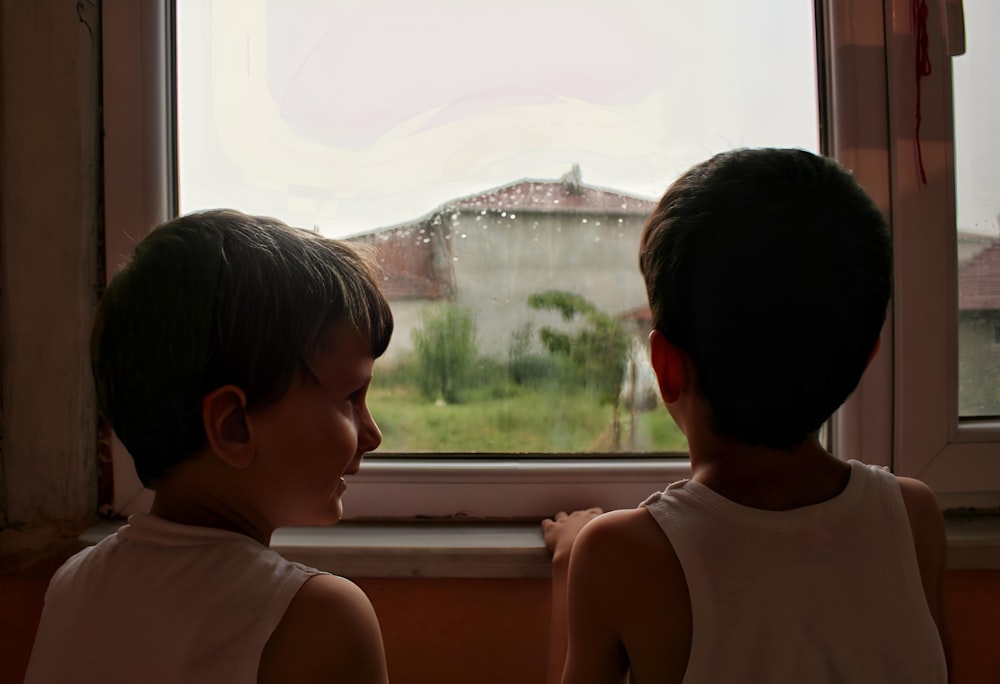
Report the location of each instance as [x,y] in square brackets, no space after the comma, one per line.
[328,634]
[927,527]
[628,604]
[560,534]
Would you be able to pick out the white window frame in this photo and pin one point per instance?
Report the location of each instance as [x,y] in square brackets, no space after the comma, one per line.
[904,413]
[957,457]
[908,403]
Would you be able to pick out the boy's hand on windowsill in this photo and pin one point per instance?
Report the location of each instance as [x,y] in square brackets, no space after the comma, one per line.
[561,531]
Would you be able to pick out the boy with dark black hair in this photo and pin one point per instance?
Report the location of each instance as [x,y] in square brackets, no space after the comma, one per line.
[232,357]
[768,274]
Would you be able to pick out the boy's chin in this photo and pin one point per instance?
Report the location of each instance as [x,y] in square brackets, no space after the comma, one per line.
[333,516]
[320,519]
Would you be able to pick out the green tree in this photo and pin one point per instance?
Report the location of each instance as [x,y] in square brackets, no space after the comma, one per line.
[598,349]
[445,345]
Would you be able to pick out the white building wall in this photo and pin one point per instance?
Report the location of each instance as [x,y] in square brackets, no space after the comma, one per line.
[500,260]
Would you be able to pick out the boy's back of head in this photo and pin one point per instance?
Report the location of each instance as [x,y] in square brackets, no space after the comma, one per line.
[217,298]
[772,269]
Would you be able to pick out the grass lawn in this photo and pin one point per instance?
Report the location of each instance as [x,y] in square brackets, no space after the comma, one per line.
[511,418]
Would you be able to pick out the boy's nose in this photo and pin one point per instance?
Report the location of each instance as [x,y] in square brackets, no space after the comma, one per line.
[371,436]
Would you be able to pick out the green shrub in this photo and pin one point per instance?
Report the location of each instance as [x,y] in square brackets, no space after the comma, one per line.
[597,350]
[528,367]
[445,347]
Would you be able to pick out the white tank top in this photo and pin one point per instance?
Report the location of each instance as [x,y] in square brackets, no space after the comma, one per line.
[824,593]
[163,602]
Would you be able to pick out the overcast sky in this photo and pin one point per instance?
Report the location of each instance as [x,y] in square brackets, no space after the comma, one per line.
[977,111]
[349,115]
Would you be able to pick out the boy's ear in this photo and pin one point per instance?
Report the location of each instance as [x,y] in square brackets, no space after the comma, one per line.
[670,365]
[223,413]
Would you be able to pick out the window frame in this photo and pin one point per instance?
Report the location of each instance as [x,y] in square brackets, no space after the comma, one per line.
[867,98]
[955,456]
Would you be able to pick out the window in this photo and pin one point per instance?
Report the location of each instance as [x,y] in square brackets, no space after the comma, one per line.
[919,395]
[860,106]
[977,204]
[503,159]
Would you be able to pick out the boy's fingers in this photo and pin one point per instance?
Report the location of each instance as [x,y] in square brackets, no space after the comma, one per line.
[562,516]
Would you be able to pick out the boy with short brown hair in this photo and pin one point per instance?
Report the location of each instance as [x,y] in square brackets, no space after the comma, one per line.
[232,356]
[768,273]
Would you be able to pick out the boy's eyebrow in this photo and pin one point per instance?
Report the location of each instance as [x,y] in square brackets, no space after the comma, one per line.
[354,378]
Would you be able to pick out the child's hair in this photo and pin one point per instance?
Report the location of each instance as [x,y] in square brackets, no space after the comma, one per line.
[217,298]
[772,269]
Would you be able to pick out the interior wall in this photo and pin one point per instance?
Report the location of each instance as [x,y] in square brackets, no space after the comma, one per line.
[495,631]
[456,631]
[972,598]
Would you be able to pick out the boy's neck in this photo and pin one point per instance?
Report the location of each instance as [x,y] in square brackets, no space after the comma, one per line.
[766,478]
[203,516]
[184,497]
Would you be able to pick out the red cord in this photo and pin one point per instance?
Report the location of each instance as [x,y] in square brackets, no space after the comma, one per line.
[923,69]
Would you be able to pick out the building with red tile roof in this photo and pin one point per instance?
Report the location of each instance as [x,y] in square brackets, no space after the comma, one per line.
[490,251]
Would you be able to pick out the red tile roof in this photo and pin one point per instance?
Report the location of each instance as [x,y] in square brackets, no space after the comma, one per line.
[413,261]
[640,314]
[979,280]
[415,257]
[567,195]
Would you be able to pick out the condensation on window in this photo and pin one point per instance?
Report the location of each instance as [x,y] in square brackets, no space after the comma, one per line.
[977,187]
[501,159]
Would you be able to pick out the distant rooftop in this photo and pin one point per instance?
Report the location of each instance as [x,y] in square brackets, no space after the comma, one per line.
[415,256]
[566,195]
[979,279]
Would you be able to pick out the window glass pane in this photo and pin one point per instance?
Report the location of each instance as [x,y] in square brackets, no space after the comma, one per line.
[503,158]
[977,149]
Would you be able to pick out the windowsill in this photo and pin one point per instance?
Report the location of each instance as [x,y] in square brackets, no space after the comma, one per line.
[406,549]
[488,549]
[973,542]
[420,549]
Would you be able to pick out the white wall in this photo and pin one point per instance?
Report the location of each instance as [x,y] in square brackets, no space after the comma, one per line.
[502,261]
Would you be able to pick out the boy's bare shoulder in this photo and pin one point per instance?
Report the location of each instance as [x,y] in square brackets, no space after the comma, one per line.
[627,541]
[917,495]
[624,528]
[328,633]
[926,520]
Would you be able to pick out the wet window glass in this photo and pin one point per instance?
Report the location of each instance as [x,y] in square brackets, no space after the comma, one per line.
[977,187]
[501,158]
